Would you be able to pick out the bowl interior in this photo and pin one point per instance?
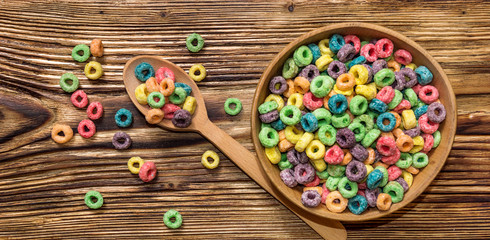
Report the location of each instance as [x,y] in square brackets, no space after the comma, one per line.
[420,57]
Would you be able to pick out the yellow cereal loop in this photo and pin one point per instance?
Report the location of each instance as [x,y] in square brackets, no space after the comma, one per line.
[360,73]
[318,189]
[96,67]
[293,134]
[324,49]
[304,141]
[322,62]
[296,99]
[273,154]
[408,177]
[368,91]
[411,66]
[205,159]
[315,150]
[418,144]
[132,161]
[319,164]
[276,98]
[190,104]
[346,93]
[369,169]
[409,120]
[141,94]
[199,70]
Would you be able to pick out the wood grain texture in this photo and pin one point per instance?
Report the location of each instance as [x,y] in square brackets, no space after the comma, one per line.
[42,184]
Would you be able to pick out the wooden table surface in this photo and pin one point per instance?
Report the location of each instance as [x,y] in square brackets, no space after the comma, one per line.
[42,184]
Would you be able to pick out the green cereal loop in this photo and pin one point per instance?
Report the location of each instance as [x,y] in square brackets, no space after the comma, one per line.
[395,190]
[336,170]
[238,106]
[384,77]
[172,214]
[410,95]
[327,135]
[341,120]
[359,130]
[264,125]
[191,38]
[370,137]
[303,56]
[268,107]
[405,161]
[347,193]
[437,138]
[346,64]
[366,120]
[420,160]
[74,82]
[388,58]
[268,137]
[289,69]
[358,105]
[290,115]
[373,116]
[80,58]
[364,43]
[396,100]
[90,203]
[322,175]
[321,85]
[151,100]
[323,116]
[178,96]
[324,73]
[332,183]
[284,163]
[384,181]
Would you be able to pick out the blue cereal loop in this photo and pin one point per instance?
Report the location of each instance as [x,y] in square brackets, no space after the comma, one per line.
[377,106]
[309,122]
[424,76]
[420,111]
[357,204]
[144,71]
[118,117]
[357,61]
[186,87]
[337,103]
[390,117]
[336,42]
[374,179]
[315,50]
[278,125]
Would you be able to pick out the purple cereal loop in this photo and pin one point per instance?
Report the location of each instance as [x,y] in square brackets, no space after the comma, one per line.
[377,156]
[182,118]
[372,196]
[359,153]
[413,132]
[402,182]
[370,72]
[346,53]
[283,86]
[346,138]
[378,65]
[355,171]
[436,112]
[311,198]
[307,170]
[287,176]
[269,117]
[121,136]
[309,72]
[373,41]
[411,75]
[336,68]
[399,83]
[295,157]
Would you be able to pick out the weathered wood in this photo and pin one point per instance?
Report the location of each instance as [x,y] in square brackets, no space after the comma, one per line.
[42,184]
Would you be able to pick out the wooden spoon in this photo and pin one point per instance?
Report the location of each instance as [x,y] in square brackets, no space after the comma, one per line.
[244,159]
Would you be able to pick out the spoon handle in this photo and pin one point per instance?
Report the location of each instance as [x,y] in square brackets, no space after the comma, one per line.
[247,161]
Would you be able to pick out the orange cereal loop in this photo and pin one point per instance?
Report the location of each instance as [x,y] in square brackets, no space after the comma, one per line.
[387,134]
[394,65]
[154,116]
[346,82]
[404,143]
[412,170]
[371,157]
[379,163]
[383,202]
[318,189]
[347,157]
[301,85]
[96,48]
[282,135]
[167,87]
[397,132]
[290,90]
[61,129]
[152,85]
[398,119]
[336,202]
[350,97]
[285,145]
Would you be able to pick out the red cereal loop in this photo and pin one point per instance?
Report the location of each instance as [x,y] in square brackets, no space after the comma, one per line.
[403,56]
[394,172]
[428,142]
[86,128]
[386,94]
[148,171]
[426,125]
[386,146]
[313,183]
[311,102]
[334,155]
[163,73]
[354,40]
[390,160]
[369,52]
[404,105]
[384,48]
[428,94]
[361,192]
[79,99]
[362,186]
[417,88]
[97,108]
[325,192]
[169,109]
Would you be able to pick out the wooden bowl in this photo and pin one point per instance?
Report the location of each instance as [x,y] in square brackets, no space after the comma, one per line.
[420,57]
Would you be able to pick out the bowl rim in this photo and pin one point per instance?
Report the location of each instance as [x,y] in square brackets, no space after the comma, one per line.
[347,215]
